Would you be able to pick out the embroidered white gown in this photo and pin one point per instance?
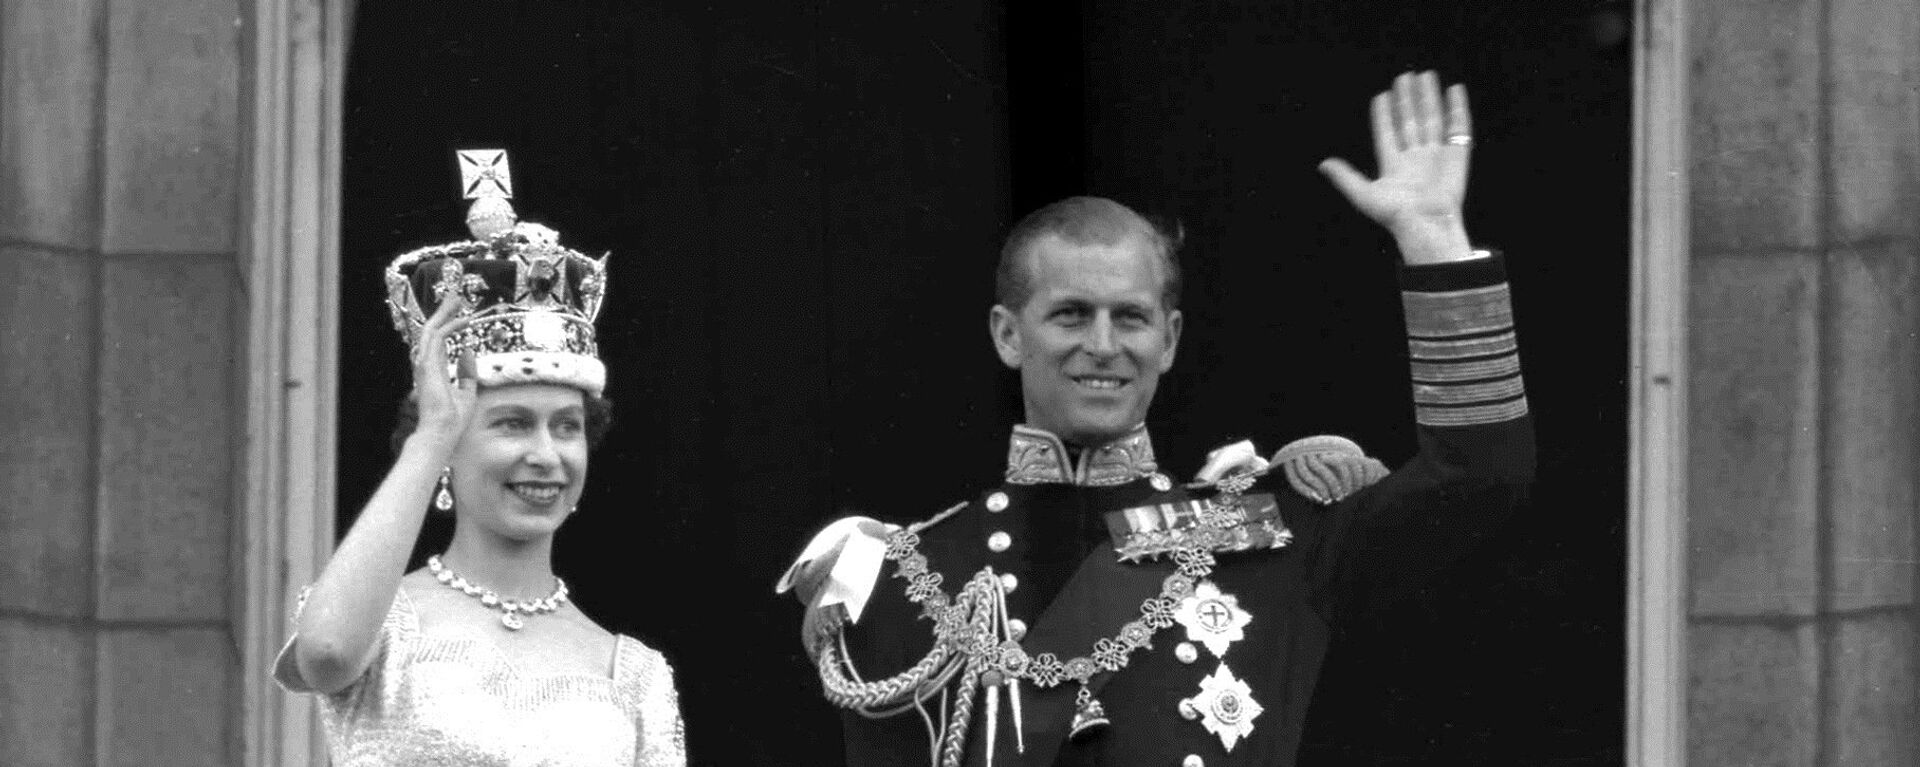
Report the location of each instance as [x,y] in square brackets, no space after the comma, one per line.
[453,699]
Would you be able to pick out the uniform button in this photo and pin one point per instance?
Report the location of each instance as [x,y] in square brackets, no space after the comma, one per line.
[1017,629]
[1009,582]
[1161,483]
[1193,760]
[999,541]
[1185,652]
[1188,710]
[997,501]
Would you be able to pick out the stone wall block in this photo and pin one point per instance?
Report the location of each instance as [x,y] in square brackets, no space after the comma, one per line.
[1755,120]
[1875,119]
[1875,420]
[46,694]
[1752,695]
[1874,708]
[168,405]
[50,87]
[166,696]
[46,412]
[172,127]
[1754,401]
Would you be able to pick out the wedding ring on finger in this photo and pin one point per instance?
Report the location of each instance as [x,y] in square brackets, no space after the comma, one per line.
[1460,139]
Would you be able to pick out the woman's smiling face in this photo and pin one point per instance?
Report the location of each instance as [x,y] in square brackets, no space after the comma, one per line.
[521,465]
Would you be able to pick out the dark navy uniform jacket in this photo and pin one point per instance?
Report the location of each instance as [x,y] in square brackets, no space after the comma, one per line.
[1068,589]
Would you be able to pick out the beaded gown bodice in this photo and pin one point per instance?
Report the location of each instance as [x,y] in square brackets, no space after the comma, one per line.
[453,698]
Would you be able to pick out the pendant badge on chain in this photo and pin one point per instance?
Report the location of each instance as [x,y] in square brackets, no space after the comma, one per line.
[1212,618]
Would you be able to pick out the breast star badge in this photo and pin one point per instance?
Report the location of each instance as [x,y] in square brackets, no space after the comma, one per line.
[1213,618]
[1226,705]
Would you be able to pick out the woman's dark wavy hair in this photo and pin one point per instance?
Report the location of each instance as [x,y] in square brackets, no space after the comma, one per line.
[599,419]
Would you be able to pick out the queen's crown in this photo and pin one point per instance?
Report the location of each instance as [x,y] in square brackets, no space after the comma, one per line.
[531,302]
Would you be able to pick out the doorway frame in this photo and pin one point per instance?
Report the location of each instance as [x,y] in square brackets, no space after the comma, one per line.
[297,64]
[1657,391]
[292,95]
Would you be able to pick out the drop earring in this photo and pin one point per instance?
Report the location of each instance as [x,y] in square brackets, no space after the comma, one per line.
[443,499]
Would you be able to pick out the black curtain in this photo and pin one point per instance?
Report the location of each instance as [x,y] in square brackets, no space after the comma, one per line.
[804,202]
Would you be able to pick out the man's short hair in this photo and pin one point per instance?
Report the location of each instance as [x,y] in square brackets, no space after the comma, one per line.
[1084,221]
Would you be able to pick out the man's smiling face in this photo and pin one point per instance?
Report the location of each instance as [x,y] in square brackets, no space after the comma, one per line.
[1092,338]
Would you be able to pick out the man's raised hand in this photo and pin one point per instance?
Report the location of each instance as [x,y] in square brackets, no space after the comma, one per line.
[1422,142]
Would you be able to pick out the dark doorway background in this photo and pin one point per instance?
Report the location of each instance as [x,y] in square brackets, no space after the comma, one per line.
[804,201]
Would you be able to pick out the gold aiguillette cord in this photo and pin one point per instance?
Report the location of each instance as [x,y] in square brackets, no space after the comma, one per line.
[995,680]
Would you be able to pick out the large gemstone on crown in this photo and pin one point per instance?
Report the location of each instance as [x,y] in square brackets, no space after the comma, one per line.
[543,272]
[544,332]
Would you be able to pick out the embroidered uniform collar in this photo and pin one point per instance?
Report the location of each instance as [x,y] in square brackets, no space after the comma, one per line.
[1036,456]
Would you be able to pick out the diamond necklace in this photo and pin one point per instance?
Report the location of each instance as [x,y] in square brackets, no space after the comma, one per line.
[510,610]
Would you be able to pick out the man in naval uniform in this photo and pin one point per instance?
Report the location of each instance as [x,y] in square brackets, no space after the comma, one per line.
[1090,610]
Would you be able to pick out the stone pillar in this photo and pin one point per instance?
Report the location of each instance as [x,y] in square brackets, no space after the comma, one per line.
[120,342]
[1804,364]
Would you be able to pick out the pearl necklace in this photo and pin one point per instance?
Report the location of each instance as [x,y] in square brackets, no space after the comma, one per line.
[510,610]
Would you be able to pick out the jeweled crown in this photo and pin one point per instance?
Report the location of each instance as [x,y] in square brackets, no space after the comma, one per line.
[532,302]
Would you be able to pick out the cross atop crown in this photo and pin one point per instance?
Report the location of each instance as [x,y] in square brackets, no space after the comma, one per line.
[484,173]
